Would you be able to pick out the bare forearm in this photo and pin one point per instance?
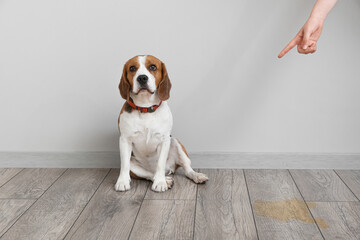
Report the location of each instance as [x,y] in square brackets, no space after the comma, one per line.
[322,8]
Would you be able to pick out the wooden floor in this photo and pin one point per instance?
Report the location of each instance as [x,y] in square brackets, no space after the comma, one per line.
[233,204]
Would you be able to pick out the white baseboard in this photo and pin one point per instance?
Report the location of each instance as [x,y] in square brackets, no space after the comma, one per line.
[199,160]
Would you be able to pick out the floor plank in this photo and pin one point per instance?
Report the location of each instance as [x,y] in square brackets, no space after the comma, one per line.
[52,215]
[321,186]
[279,209]
[183,188]
[110,214]
[223,209]
[30,183]
[165,219]
[11,210]
[352,179]
[342,218]
[7,173]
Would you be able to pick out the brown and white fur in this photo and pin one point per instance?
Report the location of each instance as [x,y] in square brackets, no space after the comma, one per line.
[147,150]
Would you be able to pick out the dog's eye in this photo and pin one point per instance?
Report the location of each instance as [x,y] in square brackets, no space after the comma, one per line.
[132,69]
[152,67]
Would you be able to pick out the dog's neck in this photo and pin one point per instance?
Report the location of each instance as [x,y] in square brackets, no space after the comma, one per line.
[145,99]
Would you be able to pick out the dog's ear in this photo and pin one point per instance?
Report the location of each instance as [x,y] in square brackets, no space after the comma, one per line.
[164,85]
[124,85]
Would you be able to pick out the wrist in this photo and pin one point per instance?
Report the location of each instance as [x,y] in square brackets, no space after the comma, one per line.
[317,18]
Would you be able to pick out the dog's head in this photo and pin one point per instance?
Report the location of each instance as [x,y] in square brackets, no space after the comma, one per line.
[142,74]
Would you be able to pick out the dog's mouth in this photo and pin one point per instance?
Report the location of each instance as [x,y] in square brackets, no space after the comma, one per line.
[144,89]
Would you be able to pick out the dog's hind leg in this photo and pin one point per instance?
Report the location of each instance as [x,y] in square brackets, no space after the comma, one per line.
[184,161]
[138,172]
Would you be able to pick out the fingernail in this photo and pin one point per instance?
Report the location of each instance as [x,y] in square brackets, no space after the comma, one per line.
[305,47]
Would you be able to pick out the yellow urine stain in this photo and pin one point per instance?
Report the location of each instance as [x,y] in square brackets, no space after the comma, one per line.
[286,210]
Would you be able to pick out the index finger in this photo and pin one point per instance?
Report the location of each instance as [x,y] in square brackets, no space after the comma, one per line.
[287,48]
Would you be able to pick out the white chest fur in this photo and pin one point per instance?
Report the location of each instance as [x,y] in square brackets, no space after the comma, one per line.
[146,131]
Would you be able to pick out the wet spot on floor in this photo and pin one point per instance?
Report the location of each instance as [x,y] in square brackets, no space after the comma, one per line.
[287,210]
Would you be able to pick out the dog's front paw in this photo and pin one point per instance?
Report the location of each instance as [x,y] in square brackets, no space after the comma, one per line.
[199,177]
[159,185]
[122,185]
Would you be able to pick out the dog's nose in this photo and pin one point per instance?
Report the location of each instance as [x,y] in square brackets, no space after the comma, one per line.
[142,79]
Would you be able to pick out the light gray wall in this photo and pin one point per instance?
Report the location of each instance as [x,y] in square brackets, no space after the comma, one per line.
[60,63]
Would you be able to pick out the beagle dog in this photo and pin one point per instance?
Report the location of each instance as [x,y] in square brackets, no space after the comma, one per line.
[147,150]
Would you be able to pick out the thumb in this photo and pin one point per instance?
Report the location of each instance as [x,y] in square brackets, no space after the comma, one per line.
[306,39]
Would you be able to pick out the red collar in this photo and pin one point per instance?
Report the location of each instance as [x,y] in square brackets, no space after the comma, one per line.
[143,109]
